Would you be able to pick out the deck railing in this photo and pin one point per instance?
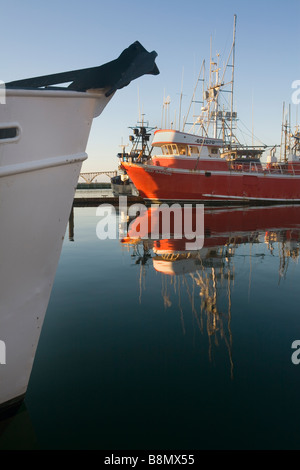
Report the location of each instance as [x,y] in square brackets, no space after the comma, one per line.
[254,167]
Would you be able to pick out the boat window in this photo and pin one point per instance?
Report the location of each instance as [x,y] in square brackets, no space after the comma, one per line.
[214,151]
[8,133]
[174,149]
[194,150]
[182,149]
[164,149]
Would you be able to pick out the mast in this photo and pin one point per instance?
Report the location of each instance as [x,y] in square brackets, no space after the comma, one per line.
[289,129]
[202,70]
[252,123]
[232,76]
[215,89]
[211,103]
[285,138]
[282,127]
[216,99]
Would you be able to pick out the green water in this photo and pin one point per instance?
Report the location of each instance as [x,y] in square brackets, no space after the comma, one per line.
[132,357]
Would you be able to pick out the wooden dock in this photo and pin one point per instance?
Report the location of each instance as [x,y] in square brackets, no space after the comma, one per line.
[96,201]
[96,196]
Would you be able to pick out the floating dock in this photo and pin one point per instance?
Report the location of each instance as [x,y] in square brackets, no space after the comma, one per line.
[94,196]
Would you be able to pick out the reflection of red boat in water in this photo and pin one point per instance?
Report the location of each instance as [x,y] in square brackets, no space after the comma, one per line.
[227,228]
[221,226]
[209,273]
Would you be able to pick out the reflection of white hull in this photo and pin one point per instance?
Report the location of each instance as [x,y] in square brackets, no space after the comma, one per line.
[39,171]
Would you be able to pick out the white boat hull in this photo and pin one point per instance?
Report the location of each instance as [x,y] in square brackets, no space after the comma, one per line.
[39,171]
[44,131]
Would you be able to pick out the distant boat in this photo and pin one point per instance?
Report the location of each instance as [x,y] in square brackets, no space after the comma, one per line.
[140,152]
[44,131]
[122,185]
[213,167]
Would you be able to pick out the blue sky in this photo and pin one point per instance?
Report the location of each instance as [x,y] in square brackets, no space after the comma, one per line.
[39,37]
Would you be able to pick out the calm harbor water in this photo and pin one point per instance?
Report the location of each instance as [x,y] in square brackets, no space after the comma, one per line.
[148,346]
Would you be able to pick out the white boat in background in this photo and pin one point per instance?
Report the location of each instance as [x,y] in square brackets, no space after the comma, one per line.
[44,131]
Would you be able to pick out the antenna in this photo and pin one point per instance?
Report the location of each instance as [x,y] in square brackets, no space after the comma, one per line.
[162,114]
[166,104]
[123,146]
[281,131]
[180,99]
[165,110]
[252,121]
[290,128]
[285,132]
[209,84]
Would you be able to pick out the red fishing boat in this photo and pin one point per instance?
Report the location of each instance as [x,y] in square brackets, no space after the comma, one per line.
[191,166]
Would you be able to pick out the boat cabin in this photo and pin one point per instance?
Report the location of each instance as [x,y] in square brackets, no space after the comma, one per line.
[174,142]
[244,159]
[188,150]
[182,150]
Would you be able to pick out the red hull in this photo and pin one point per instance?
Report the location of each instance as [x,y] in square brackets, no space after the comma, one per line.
[223,227]
[223,223]
[156,183]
